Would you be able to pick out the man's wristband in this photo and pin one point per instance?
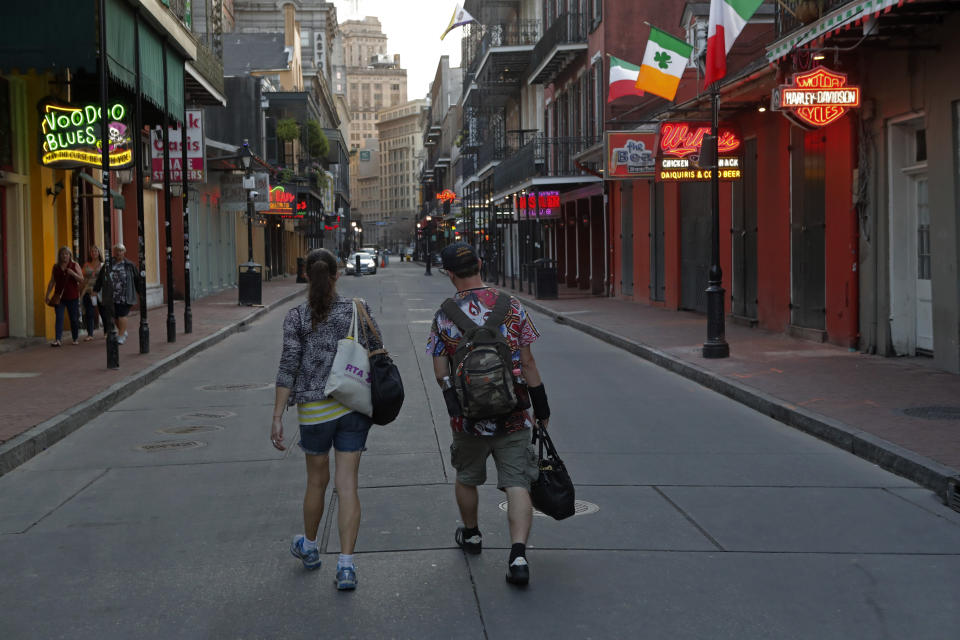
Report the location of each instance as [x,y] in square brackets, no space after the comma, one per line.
[538,399]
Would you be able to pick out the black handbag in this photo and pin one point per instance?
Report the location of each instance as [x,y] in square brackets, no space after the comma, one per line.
[386,386]
[552,492]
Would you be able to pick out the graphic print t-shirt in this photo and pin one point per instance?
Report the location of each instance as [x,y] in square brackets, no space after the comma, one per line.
[519,331]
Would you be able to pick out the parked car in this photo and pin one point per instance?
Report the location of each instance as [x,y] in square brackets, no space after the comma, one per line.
[368,264]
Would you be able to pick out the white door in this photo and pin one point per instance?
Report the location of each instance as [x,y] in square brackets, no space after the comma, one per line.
[924,292]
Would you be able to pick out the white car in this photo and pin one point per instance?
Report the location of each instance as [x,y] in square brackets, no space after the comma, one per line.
[367,263]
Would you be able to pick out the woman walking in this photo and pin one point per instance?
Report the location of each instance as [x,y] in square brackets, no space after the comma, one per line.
[310,334]
[63,293]
[91,269]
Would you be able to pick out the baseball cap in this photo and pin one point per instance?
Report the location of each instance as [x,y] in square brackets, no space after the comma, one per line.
[458,255]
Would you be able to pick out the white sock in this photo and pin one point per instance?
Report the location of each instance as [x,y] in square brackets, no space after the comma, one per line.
[308,544]
[345,561]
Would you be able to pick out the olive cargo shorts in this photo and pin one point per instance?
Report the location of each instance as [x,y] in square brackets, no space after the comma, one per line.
[513,454]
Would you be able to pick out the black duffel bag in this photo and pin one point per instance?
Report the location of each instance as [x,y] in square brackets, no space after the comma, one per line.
[386,386]
[552,492]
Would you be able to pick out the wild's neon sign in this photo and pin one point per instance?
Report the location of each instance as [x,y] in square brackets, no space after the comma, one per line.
[72,136]
[817,97]
[281,201]
[681,139]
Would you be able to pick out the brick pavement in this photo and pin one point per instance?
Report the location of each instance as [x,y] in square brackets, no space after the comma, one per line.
[866,393]
[54,380]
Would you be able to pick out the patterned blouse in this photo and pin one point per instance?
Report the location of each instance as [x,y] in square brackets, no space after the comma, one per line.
[519,331]
[308,352]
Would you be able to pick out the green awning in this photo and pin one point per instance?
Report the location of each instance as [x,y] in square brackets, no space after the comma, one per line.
[151,66]
[120,47]
[175,85]
[118,200]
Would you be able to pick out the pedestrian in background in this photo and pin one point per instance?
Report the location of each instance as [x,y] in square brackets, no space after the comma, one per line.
[311,331]
[63,293]
[506,438]
[91,307]
[125,280]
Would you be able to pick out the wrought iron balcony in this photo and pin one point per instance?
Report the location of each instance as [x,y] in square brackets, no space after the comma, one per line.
[542,158]
[466,166]
[499,148]
[794,14]
[560,45]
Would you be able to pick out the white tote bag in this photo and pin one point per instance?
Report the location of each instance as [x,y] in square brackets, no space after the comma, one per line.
[349,380]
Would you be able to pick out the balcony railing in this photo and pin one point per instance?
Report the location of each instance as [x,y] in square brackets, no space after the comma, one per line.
[793,14]
[542,157]
[483,38]
[558,46]
[466,166]
[499,148]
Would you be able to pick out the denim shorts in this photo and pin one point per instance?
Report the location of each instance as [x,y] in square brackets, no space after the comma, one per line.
[346,433]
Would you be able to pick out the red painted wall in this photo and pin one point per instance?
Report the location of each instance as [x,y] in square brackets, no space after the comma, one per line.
[671,245]
[841,235]
[641,239]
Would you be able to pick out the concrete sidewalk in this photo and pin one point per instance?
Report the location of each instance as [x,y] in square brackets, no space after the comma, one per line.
[47,393]
[899,413]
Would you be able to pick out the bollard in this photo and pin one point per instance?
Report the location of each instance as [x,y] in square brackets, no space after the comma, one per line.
[356,271]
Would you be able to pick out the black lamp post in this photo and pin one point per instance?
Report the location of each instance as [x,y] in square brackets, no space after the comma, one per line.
[246,158]
[427,230]
[716,345]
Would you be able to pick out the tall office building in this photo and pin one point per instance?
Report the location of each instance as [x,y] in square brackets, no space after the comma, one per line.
[374,80]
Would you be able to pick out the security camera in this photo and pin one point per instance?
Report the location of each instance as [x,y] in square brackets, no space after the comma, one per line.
[254,194]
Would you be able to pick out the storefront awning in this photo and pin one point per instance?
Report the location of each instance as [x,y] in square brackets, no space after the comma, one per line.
[843,17]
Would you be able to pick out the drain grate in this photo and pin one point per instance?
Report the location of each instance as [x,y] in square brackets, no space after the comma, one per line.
[237,386]
[953,493]
[934,413]
[581,508]
[212,414]
[193,428]
[170,445]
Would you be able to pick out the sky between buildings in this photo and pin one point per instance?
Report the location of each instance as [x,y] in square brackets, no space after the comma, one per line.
[413,29]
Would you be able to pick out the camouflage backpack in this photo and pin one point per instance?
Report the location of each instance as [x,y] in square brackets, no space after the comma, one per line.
[482,363]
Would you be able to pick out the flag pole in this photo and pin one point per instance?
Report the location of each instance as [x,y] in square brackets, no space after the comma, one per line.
[716,345]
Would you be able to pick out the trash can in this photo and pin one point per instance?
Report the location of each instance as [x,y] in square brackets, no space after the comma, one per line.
[250,284]
[545,279]
[301,270]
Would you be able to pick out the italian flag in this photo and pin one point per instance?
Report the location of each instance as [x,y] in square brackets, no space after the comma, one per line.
[727,19]
[623,78]
[663,63]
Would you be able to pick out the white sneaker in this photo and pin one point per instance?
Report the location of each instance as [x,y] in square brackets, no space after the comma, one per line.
[122,339]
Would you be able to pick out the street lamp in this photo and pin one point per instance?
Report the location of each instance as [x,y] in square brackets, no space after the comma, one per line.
[426,232]
[250,281]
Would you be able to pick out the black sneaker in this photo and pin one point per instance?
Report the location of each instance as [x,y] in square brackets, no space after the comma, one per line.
[518,572]
[472,545]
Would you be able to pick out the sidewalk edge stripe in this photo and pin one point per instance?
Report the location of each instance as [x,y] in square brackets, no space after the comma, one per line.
[38,438]
[908,464]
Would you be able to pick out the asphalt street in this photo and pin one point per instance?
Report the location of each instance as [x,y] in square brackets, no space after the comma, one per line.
[170,515]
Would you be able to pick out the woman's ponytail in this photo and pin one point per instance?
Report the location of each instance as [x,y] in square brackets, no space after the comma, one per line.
[322,272]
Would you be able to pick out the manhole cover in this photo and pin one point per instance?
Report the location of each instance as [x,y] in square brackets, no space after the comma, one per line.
[211,414]
[170,445]
[193,428]
[934,413]
[237,386]
[581,508]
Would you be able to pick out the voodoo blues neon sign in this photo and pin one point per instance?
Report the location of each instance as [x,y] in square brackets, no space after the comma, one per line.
[71,136]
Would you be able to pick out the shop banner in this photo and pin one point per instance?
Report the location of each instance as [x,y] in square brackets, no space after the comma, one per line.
[195,151]
[630,155]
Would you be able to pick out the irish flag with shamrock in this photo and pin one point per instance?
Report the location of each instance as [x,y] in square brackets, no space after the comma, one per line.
[663,63]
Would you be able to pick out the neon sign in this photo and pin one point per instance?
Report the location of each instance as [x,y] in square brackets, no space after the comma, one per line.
[282,202]
[542,204]
[681,139]
[72,136]
[681,146]
[446,196]
[817,97]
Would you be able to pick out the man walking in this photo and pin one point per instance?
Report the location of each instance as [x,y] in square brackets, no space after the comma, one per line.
[125,280]
[505,436]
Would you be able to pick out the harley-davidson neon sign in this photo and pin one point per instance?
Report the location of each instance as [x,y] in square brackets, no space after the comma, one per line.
[817,97]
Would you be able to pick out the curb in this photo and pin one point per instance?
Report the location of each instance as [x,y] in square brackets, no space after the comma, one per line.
[887,455]
[35,440]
